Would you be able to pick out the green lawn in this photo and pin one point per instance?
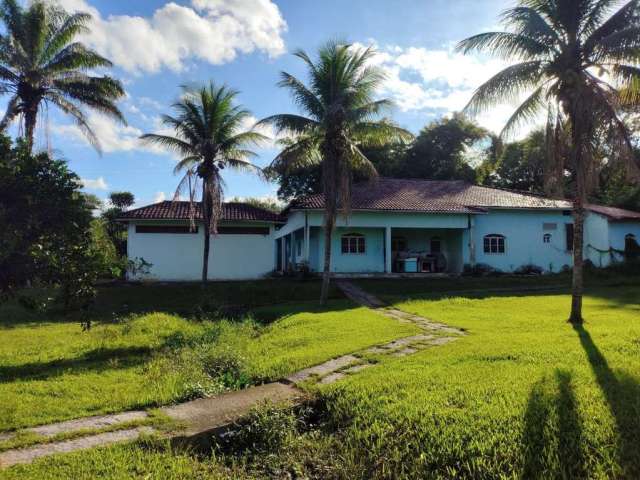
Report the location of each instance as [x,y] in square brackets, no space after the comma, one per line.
[523,395]
[52,370]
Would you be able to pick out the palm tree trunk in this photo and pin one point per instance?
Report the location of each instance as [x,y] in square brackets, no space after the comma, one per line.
[206,218]
[577,282]
[30,119]
[326,272]
[577,155]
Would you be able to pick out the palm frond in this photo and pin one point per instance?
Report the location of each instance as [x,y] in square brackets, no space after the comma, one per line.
[505,86]
[527,111]
[506,45]
[302,95]
[289,124]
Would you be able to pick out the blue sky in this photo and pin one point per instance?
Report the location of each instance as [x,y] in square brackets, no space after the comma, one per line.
[158,45]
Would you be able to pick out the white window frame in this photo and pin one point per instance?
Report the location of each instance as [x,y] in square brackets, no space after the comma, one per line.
[497,237]
[352,246]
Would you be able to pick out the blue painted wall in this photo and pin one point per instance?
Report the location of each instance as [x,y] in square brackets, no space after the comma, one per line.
[524,232]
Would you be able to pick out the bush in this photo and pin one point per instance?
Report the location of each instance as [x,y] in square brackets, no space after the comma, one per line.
[266,429]
[480,270]
[529,269]
[46,236]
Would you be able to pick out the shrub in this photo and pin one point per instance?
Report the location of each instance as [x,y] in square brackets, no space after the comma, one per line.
[480,269]
[529,269]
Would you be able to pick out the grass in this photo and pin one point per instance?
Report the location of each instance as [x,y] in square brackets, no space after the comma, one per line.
[178,298]
[523,395]
[52,370]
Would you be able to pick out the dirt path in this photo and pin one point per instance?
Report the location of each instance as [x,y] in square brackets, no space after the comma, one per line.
[204,417]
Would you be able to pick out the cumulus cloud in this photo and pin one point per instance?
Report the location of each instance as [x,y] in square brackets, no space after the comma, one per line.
[113,136]
[215,31]
[159,197]
[439,81]
[94,184]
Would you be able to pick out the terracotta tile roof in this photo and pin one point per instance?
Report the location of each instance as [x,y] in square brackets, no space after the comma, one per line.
[232,211]
[615,213]
[433,196]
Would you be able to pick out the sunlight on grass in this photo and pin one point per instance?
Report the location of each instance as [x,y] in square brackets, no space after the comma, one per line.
[523,394]
[55,371]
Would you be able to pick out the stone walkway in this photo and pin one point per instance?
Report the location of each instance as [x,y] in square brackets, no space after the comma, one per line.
[207,416]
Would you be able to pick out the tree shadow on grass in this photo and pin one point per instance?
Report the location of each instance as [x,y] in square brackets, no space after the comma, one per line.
[97,360]
[552,435]
[622,393]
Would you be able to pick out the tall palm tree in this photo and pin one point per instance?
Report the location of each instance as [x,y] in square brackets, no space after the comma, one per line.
[41,62]
[578,55]
[341,119]
[209,135]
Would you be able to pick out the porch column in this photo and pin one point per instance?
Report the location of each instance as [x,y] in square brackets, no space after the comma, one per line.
[283,256]
[472,241]
[292,249]
[306,242]
[387,250]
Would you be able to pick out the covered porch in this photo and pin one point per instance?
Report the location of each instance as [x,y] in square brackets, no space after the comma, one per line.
[400,249]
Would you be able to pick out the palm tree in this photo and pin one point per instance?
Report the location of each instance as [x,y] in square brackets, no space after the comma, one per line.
[341,120]
[581,57]
[209,136]
[40,62]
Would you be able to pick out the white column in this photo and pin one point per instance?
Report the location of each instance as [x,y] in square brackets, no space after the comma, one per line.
[292,249]
[387,250]
[472,241]
[283,257]
[306,242]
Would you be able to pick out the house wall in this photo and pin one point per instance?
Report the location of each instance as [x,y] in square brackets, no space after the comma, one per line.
[178,257]
[617,232]
[596,237]
[369,262]
[524,232]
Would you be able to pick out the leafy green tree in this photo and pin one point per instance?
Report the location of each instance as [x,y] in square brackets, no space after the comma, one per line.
[341,119]
[560,46]
[46,223]
[210,135]
[41,61]
[271,205]
[520,165]
[439,151]
[120,201]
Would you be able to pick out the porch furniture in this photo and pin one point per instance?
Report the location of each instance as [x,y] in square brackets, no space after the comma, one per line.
[408,265]
[423,262]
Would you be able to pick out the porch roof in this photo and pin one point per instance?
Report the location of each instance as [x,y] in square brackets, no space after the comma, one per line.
[433,196]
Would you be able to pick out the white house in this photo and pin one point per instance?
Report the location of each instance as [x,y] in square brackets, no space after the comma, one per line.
[407,226]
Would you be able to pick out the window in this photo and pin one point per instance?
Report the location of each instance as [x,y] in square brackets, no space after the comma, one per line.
[165,229]
[549,226]
[436,245]
[243,230]
[353,243]
[494,243]
[569,236]
[398,244]
[546,238]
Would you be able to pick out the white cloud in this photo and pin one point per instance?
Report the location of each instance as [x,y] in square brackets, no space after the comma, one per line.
[439,81]
[159,197]
[113,136]
[215,31]
[94,184]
